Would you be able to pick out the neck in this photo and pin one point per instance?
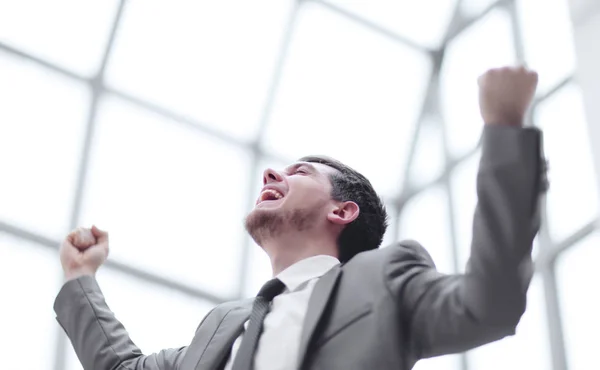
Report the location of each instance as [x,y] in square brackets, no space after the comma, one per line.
[285,250]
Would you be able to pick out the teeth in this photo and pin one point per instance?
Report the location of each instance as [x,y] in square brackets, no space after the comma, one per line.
[275,193]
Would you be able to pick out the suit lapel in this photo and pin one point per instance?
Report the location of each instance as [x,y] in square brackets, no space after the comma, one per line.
[222,340]
[316,305]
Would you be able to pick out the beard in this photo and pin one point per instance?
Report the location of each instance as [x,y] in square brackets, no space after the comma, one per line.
[264,224]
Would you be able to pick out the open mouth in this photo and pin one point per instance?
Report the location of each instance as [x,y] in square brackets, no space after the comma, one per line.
[269,195]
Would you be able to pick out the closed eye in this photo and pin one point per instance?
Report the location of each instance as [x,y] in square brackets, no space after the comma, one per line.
[301,171]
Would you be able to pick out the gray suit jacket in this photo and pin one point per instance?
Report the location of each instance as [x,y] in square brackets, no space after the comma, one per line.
[384,309]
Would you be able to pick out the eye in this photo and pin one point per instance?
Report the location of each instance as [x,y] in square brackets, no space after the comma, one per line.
[301,171]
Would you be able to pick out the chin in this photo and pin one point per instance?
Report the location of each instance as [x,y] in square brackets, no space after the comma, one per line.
[269,204]
[260,211]
[263,222]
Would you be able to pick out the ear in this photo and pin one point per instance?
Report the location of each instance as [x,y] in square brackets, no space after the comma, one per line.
[344,213]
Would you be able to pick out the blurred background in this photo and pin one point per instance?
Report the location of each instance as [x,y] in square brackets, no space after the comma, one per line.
[154,121]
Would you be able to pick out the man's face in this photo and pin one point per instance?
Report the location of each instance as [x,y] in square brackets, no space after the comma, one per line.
[295,198]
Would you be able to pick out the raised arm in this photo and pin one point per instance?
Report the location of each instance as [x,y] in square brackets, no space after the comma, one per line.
[99,339]
[453,313]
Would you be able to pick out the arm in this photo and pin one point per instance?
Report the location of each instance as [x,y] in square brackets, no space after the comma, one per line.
[452,313]
[99,339]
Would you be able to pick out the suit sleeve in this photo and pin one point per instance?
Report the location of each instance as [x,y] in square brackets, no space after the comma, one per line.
[445,314]
[99,339]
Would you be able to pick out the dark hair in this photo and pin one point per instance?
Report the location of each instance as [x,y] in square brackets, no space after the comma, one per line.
[366,231]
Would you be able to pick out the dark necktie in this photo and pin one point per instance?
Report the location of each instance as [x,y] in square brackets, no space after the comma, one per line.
[244,359]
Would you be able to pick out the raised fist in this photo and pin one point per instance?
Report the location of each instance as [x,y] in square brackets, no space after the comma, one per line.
[83,251]
[505,95]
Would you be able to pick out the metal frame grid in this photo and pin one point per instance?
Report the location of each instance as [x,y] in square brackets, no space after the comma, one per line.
[549,250]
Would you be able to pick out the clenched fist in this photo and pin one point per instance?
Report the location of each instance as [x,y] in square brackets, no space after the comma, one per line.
[83,251]
[505,95]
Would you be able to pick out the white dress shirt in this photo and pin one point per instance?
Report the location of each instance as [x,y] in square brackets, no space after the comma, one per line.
[280,338]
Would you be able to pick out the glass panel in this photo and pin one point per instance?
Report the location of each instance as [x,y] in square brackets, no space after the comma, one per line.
[536,246]
[169,194]
[491,38]
[324,105]
[213,60]
[573,194]
[259,269]
[70,33]
[528,349]
[463,183]
[576,277]
[450,362]
[424,22]
[548,40]
[429,159]
[425,219]
[174,316]
[472,8]
[41,133]
[29,282]
[154,316]
[389,236]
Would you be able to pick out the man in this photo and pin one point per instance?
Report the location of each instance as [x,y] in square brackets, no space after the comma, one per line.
[377,309]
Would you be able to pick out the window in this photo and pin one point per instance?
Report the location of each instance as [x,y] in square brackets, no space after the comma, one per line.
[259,269]
[473,8]
[390,232]
[548,40]
[211,61]
[576,274]
[169,196]
[491,38]
[29,281]
[165,148]
[528,349]
[429,159]
[70,33]
[406,18]
[425,218]
[572,199]
[450,362]
[343,94]
[42,126]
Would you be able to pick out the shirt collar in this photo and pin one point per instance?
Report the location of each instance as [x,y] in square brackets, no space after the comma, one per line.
[305,270]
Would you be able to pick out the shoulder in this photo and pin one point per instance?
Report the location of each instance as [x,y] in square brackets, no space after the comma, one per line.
[242,303]
[414,249]
[397,251]
[390,262]
[389,267]
[218,313]
[226,307]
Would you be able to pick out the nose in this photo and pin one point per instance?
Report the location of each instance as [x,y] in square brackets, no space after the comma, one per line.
[270,175]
